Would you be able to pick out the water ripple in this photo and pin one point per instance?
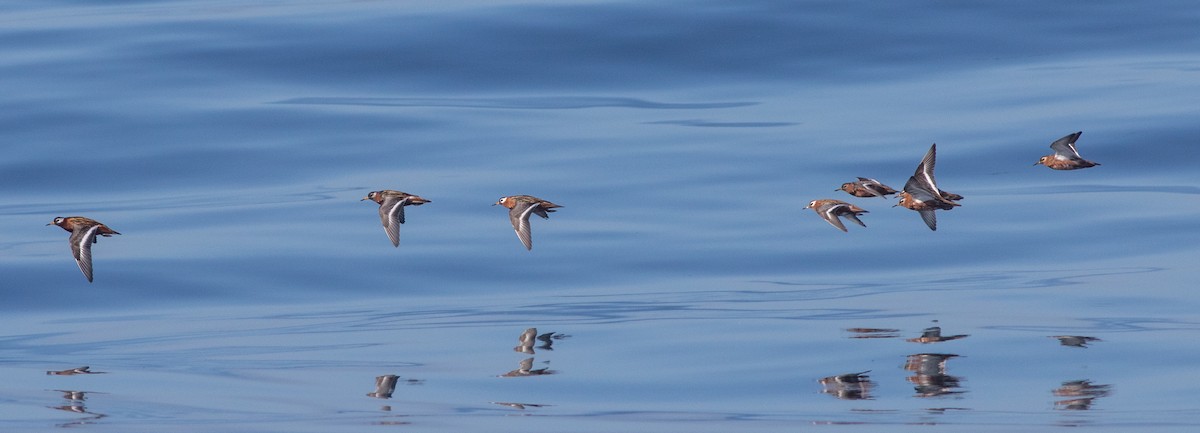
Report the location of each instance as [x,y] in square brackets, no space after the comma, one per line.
[712,124]
[516,103]
[1108,325]
[1095,188]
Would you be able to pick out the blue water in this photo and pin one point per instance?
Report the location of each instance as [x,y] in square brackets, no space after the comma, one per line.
[251,290]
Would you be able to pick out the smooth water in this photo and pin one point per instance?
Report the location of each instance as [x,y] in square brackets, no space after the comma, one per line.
[251,290]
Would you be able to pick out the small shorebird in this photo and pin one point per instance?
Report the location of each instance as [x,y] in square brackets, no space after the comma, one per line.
[867,187]
[391,210]
[519,208]
[921,192]
[1065,156]
[83,234]
[831,210]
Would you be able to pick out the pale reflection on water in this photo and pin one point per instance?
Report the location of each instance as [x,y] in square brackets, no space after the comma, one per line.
[1081,394]
[849,386]
[458,378]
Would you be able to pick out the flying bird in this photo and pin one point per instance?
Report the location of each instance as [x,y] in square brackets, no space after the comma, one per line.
[519,209]
[391,210]
[867,187]
[1065,156]
[83,234]
[921,192]
[831,210]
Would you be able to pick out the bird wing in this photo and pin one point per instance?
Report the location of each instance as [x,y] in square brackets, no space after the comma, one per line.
[854,218]
[828,212]
[1064,148]
[929,217]
[528,336]
[519,216]
[391,213]
[924,173]
[81,248]
[917,189]
[871,185]
[526,365]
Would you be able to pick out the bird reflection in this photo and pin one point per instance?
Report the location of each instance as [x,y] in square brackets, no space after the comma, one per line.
[73,395]
[527,340]
[548,338]
[73,371]
[943,410]
[75,404]
[518,406]
[531,337]
[1082,394]
[934,335]
[850,386]
[874,332]
[526,369]
[1075,340]
[384,386]
[929,374]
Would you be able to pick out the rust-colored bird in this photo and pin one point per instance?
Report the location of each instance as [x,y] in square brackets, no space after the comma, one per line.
[391,210]
[831,210]
[867,187]
[1065,156]
[921,192]
[83,234]
[519,209]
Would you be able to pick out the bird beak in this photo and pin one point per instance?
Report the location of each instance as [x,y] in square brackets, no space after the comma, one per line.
[50,224]
[364,198]
[1036,163]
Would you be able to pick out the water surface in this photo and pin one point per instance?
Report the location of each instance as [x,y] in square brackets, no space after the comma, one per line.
[251,290]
